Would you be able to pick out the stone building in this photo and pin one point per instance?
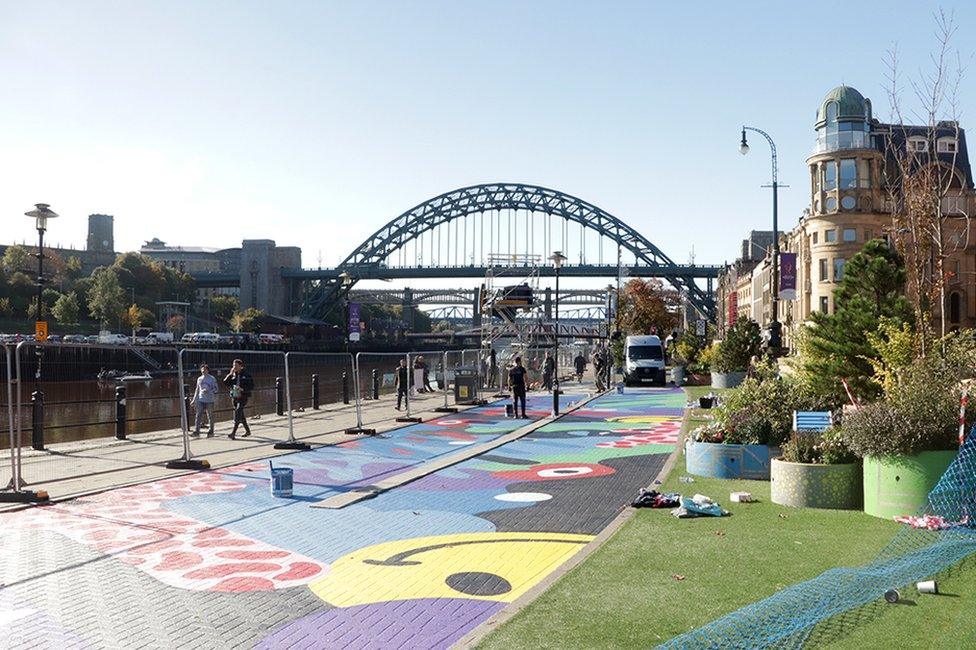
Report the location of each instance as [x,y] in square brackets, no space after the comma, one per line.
[850,204]
[100,250]
[262,284]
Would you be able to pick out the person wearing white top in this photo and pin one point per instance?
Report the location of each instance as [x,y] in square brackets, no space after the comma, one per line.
[203,400]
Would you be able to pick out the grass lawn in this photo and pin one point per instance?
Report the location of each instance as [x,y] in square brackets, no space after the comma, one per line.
[628,593]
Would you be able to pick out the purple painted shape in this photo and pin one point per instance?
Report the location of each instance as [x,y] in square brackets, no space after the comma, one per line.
[458,479]
[420,623]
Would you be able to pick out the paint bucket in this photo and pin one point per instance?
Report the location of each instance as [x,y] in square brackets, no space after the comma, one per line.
[927,587]
[510,410]
[282,481]
[620,388]
[892,596]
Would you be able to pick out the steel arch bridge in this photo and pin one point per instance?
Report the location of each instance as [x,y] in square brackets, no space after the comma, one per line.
[458,206]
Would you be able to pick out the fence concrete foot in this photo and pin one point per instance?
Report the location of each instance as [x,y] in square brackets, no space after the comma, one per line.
[445,409]
[296,445]
[409,419]
[24,496]
[193,463]
[361,431]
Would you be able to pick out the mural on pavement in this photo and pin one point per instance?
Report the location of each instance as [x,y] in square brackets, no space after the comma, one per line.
[425,562]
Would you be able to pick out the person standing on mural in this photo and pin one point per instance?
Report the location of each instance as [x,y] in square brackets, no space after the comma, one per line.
[203,400]
[548,370]
[402,382]
[241,384]
[492,367]
[516,380]
[580,364]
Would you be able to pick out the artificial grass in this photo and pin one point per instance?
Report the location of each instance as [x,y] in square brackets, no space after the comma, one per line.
[659,576]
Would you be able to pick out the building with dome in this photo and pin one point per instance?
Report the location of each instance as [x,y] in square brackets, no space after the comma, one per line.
[852,169]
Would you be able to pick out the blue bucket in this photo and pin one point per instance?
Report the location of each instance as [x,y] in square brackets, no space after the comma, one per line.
[282,480]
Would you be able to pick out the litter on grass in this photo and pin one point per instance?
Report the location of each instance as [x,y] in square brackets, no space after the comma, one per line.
[698,506]
[654,499]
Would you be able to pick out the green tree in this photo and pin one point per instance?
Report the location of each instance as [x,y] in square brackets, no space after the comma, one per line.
[136,317]
[176,324]
[66,308]
[836,346]
[50,297]
[742,342]
[106,298]
[245,321]
[72,268]
[6,307]
[16,259]
[223,307]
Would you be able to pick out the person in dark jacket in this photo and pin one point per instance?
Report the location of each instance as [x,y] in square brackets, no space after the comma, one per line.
[402,382]
[580,363]
[241,384]
[516,381]
[548,371]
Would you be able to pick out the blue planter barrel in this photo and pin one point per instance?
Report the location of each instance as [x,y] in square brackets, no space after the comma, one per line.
[718,460]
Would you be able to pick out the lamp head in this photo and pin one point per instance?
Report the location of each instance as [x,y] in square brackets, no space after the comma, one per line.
[557,259]
[743,146]
[346,279]
[41,213]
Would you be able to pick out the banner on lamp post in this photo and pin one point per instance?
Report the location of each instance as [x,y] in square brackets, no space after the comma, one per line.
[787,276]
[354,328]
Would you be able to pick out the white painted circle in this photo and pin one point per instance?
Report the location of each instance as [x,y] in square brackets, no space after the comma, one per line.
[563,472]
[524,497]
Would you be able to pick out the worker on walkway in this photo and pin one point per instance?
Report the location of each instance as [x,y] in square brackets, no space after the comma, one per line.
[203,400]
[516,380]
[241,384]
[402,382]
[548,371]
[580,364]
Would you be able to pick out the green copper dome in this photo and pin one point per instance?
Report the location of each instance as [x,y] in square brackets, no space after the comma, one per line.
[850,105]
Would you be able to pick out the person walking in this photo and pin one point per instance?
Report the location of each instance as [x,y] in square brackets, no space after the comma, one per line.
[492,367]
[516,381]
[548,370]
[402,382]
[241,384]
[598,371]
[423,365]
[580,363]
[203,400]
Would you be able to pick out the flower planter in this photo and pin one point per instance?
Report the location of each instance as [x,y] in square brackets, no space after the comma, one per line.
[727,379]
[803,485]
[898,485]
[718,460]
[698,380]
[678,375]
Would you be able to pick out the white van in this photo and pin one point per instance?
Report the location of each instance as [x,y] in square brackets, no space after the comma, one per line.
[207,338]
[644,360]
[159,338]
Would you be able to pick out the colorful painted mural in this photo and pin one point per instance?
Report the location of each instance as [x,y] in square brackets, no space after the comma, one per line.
[418,566]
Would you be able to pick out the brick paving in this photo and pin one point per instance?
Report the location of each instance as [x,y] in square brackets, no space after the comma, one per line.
[213,560]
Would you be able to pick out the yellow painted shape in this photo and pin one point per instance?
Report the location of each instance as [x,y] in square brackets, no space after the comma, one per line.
[641,419]
[420,567]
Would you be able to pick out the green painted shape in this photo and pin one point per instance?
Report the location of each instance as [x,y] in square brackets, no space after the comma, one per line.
[899,485]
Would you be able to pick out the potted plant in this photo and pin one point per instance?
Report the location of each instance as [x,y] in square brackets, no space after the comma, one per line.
[731,357]
[750,425]
[816,470]
[907,439]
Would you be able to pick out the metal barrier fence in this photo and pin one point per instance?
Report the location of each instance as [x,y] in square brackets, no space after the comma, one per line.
[73,410]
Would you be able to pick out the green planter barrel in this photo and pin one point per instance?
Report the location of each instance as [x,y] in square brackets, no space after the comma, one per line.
[898,485]
[727,379]
[802,485]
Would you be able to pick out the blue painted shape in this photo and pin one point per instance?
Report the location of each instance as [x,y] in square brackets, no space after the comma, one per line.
[717,460]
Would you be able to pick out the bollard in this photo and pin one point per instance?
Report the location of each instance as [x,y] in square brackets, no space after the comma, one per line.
[279,396]
[376,384]
[120,412]
[315,392]
[345,387]
[37,430]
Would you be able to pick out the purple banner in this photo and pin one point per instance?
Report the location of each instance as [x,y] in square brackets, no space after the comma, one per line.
[354,326]
[787,276]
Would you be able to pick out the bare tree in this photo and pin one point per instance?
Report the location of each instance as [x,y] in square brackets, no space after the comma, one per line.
[929,221]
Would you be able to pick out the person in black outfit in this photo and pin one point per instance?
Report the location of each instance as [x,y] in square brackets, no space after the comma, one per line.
[402,382]
[492,367]
[241,384]
[516,380]
[580,363]
[548,370]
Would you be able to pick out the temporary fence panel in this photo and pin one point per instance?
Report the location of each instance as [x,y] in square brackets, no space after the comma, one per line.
[265,406]
[9,466]
[80,397]
[321,386]
[432,368]
[376,377]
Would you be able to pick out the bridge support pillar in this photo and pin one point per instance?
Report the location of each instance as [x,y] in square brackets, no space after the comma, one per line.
[548,303]
[408,309]
[476,308]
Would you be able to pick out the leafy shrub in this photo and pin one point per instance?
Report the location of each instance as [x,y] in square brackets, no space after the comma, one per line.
[760,410]
[827,448]
[919,413]
[741,343]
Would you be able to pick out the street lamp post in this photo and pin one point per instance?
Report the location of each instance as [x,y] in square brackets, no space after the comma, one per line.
[41,213]
[775,340]
[347,283]
[557,261]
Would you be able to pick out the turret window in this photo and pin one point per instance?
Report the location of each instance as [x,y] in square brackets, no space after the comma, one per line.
[830,236]
[864,174]
[848,174]
[830,175]
[850,234]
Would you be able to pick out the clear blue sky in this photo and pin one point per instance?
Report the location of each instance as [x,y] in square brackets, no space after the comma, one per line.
[313,123]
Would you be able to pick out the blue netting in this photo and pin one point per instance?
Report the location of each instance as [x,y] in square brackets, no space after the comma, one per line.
[836,599]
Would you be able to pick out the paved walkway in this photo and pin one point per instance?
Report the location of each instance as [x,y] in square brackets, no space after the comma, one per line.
[211,560]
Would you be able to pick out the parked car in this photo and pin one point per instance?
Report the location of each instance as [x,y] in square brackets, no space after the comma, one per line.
[271,339]
[53,338]
[113,339]
[91,338]
[187,337]
[159,338]
[74,338]
[206,338]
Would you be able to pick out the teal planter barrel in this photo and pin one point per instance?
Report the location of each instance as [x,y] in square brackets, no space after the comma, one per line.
[805,485]
[899,485]
[718,460]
